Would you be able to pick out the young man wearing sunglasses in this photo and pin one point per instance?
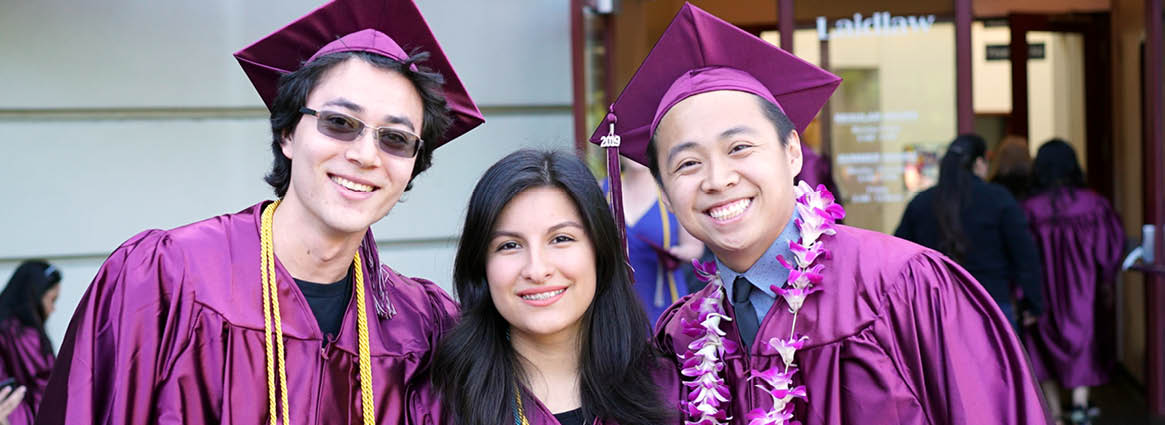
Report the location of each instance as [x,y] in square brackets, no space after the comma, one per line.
[282,312]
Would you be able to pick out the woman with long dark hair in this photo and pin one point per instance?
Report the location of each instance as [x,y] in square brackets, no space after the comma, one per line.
[1081,241]
[979,225]
[26,355]
[551,331]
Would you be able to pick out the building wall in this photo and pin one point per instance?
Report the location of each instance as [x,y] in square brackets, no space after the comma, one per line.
[126,115]
[1128,32]
[907,82]
[1003,7]
[1055,85]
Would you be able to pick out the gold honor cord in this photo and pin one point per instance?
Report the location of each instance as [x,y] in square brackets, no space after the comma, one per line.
[366,406]
[271,315]
[520,410]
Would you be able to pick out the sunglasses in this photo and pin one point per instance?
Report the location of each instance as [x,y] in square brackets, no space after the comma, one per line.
[347,128]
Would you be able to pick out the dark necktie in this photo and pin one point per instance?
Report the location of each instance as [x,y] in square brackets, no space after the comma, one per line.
[745,313]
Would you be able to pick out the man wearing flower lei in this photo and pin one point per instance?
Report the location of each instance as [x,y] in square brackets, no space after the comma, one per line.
[804,320]
[282,312]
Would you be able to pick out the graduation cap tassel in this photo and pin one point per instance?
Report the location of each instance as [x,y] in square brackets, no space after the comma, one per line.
[610,143]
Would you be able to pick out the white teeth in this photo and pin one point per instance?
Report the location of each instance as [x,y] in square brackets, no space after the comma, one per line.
[730,211]
[543,295]
[351,184]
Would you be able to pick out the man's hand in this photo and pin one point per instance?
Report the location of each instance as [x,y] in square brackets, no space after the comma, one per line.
[9,400]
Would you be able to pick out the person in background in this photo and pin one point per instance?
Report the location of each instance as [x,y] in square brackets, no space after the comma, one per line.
[1011,167]
[26,354]
[659,249]
[550,331]
[817,170]
[1081,241]
[979,225]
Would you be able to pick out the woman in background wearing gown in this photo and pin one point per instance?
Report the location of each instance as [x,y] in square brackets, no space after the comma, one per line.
[658,247]
[26,355]
[550,332]
[1081,240]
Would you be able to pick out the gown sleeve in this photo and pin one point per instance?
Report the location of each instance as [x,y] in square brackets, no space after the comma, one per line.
[445,311]
[1110,244]
[40,365]
[23,358]
[955,350]
[1022,255]
[424,405]
[423,402]
[127,325]
[668,324]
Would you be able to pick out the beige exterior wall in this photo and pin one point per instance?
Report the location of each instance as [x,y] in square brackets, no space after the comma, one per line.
[1128,32]
[1055,85]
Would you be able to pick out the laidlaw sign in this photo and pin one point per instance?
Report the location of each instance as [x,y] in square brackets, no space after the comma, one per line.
[880,23]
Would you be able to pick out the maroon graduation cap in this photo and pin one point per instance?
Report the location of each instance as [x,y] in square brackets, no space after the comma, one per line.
[386,27]
[700,53]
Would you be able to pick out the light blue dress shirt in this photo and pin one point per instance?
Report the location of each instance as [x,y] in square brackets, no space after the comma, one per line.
[766,271]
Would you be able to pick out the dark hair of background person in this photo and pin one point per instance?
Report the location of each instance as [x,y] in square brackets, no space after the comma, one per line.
[777,117]
[1011,167]
[294,88]
[953,191]
[477,364]
[1056,171]
[23,297]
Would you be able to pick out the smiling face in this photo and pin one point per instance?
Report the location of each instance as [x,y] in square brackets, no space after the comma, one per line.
[541,266]
[345,186]
[727,176]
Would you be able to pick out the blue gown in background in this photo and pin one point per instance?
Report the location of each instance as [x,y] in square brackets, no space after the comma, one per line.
[659,278]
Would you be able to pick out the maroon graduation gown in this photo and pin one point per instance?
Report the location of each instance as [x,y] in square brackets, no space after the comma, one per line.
[171,331]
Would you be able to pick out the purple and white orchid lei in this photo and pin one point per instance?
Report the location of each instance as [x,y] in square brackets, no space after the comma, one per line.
[707,394]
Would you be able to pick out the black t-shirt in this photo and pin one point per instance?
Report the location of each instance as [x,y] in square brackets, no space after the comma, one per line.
[573,417]
[328,303]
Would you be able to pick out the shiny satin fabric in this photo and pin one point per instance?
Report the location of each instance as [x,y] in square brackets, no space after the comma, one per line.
[23,358]
[425,402]
[1080,240]
[171,331]
[899,335]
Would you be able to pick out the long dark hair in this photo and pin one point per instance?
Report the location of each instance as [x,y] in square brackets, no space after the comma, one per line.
[22,298]
[476,367]
[1056,171]
[953,191]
